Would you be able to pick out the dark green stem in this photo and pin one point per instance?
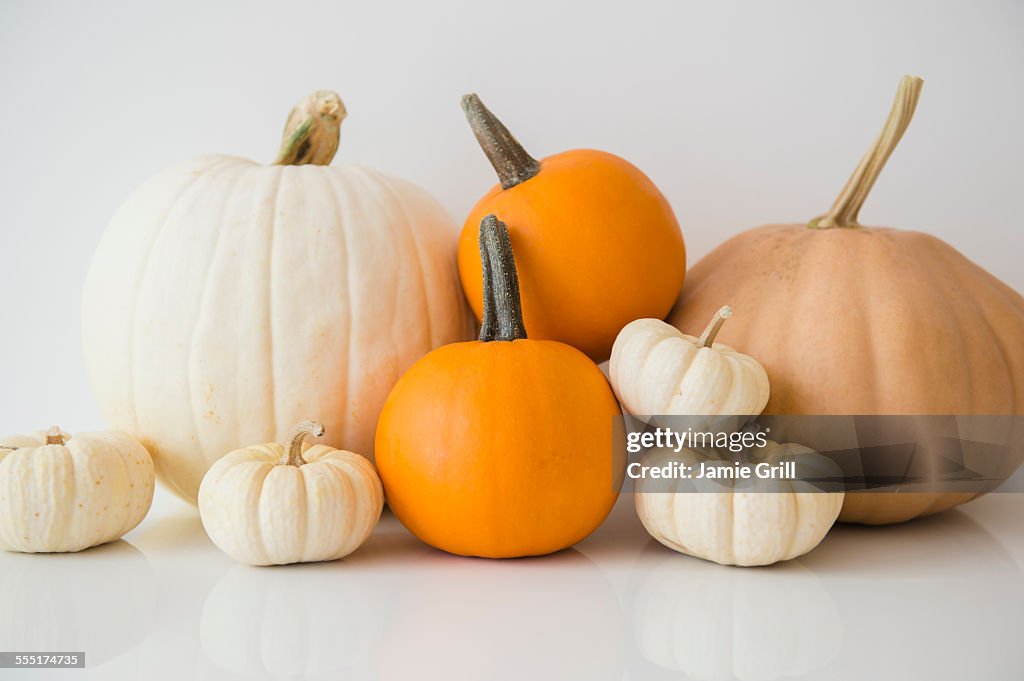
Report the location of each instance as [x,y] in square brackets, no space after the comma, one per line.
[511,162]
[503,308]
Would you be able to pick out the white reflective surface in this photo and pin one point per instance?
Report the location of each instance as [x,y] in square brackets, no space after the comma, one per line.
[940,598]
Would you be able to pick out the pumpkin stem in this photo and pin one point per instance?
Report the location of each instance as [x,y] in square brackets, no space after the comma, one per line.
[312,131]
[511,162]
[503,308]
[54,436]
[707,338]
[293,455]
[847,206]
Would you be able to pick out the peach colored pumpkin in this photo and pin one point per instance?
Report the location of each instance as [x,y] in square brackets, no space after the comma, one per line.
[861,320]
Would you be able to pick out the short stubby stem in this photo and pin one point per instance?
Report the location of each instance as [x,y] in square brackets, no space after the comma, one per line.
[707,339]
[312,131]
[293,451]
[54,436]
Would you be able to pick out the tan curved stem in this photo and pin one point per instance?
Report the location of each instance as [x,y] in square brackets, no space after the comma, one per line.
[707,338]
[847,206]
[293,454]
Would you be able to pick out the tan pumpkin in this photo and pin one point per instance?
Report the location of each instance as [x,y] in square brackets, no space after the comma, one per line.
[857,320]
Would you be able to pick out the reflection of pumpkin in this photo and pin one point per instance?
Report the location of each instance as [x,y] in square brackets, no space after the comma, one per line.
[856,320]
[318,621]
[229,300]
[598,244]
[102,601]
[500,447]
[738,522]
[551,618]
[172,650]
[749,625]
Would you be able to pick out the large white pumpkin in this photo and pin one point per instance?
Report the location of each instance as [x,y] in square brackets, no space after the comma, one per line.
[229,300]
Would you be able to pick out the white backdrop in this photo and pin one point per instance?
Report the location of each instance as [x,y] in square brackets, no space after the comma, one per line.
[743,113]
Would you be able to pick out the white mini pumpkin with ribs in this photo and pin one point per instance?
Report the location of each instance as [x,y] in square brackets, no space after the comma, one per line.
[60,493]
[657,370]
[275,504]
[228,298]
[735,521]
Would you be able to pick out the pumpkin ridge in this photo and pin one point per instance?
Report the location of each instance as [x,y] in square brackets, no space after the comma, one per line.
[217,162]
[203,296]
[871,287]
[341,212]
[343,478]
[270,300]
[412,235]
[301,529]
[929,267]
[128,517]
[253,515]
[996,286]
[731,523]
[677,516]
[795,499]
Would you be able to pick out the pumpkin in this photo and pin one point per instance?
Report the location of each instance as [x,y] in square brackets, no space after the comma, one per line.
[274,504]
[227,299]
[708,624]
[60,493]
[656,370]
[738,522]
[598,245]
[858,320]
[500,447]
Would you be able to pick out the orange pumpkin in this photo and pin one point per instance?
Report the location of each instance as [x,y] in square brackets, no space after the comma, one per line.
[597,244]
[500,447]
[861,320]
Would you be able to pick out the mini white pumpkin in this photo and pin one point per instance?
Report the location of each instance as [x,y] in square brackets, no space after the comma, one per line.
[60,493]
[273,505]
[228,298]
[738,522]
[657,370]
